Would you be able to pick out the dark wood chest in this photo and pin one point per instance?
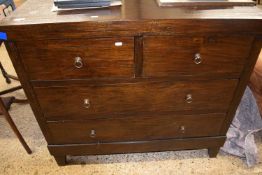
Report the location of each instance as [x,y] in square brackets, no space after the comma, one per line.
[135,78]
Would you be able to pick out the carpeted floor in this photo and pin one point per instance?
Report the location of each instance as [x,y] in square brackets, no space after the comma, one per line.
[15,161]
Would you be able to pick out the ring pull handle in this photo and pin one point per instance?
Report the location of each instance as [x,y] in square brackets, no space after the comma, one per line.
[87,103]
[197,58]
[189,98]
[182,129]
[78,62]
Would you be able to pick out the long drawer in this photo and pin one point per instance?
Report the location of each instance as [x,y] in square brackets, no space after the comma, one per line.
[77,59]
[135,128]
[166,56]
[94,101]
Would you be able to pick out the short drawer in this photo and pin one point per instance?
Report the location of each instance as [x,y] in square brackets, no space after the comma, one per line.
[110,100]
[135,128]
[195,56]
[77,59]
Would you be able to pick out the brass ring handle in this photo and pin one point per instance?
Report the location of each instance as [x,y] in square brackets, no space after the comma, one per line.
[93,133]
[78,62]
[87,103]
[197,58]
[183,129]
[189,98]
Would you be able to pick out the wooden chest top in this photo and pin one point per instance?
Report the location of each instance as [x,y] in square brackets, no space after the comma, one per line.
[133,17]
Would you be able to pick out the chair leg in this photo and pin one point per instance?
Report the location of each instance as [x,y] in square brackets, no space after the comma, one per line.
[13,126]
[10,90]
[13,5]
[4,73]
[21,101]
[8,101]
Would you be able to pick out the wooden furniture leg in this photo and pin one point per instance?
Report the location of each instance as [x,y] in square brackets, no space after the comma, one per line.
[10,90]
[4,73]
[7,76]
[61,160]
[8,101]
[13,126]
[212,152]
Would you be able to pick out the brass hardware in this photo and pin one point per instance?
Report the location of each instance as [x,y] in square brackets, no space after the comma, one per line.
[93,133]
[183,129]
[87,103]
[78,62]
[189,98]
[197,58]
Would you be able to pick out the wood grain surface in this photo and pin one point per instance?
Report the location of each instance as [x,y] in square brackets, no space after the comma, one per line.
[147,95]
[136,147]
[135,128]
[112,100]
[173,56]
[100,57]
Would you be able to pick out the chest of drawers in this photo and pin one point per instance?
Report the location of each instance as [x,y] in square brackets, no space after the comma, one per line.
[124,80]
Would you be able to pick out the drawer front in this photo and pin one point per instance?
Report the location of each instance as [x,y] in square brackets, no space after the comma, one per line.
[195,56]
[109,100]
[75,59]
[135,128]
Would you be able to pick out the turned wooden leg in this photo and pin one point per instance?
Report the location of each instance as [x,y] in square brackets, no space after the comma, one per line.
[8,118]
[212,152]
[61,160]
[4,73]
